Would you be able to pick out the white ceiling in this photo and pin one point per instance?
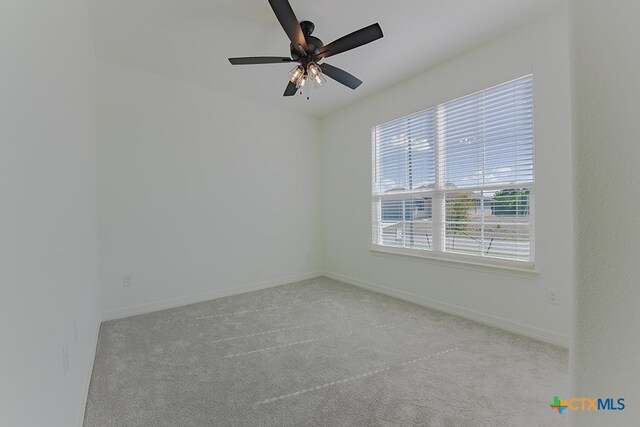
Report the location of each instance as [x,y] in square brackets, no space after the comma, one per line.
[191,39]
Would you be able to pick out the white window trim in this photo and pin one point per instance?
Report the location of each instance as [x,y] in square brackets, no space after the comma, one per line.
[481,261]
[484,263]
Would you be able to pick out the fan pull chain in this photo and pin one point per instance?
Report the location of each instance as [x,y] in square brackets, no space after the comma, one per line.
[303,89]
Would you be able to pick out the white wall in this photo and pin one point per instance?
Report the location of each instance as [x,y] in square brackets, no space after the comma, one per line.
[606,345]
[200,194]
[511,300]
[47,211]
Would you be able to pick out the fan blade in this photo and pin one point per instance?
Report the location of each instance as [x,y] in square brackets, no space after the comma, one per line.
[289,23]
[251,60]
[290,90]
[351,41]
[340,76]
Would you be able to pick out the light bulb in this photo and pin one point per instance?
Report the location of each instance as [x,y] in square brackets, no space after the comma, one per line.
[296,73]
[314,70]
[301,81]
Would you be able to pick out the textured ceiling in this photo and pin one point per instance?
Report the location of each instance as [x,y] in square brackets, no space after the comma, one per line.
[190,40]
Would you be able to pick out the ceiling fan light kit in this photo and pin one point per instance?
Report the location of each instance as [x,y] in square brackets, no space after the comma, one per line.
[300,75]
[308,51]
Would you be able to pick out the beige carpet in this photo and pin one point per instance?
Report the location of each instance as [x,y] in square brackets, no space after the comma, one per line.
[319,353]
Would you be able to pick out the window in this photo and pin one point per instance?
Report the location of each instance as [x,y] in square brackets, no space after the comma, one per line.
[456,180]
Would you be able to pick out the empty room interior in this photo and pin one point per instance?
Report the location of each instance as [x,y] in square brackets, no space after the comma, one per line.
[298,213]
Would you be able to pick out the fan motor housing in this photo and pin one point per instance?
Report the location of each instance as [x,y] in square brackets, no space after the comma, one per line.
[314,44]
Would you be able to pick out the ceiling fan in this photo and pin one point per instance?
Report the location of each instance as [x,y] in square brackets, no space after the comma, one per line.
[308,51]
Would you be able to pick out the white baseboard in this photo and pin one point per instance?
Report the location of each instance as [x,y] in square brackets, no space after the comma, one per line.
[487,319]
[134,310]
[88,372]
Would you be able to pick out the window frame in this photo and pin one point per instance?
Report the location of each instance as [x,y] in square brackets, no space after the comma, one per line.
[438,197]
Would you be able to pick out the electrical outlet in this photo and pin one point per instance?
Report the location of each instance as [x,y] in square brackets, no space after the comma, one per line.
[65,359]
[127,280]
[553,296]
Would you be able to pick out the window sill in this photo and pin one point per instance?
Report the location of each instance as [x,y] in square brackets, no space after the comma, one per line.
[464,261]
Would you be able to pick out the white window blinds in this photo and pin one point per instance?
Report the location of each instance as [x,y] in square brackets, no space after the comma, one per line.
[458,177]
